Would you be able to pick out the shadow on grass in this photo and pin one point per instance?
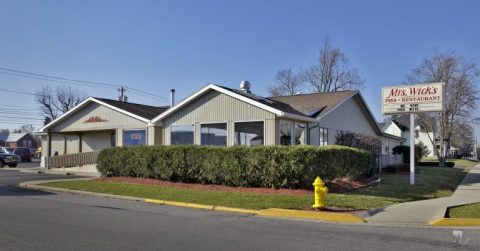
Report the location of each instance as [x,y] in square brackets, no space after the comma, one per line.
[430,182]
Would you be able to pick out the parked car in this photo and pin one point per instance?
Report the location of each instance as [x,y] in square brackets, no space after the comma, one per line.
[8,158]
[24,153]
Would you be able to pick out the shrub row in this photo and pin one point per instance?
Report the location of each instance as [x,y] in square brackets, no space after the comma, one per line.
[448,164]
[259,166]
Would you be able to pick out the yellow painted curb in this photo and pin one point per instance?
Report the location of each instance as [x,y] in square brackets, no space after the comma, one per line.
[338,217]
[275,212]
[237,210]
[179,204]
[456,222]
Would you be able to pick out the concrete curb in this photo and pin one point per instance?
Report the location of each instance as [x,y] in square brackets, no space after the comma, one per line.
[59,172]
[460,222]
[271,212]
[34,185]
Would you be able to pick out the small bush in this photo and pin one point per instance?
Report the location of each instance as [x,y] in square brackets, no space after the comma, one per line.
[448,164]
[405,151]
[259,166]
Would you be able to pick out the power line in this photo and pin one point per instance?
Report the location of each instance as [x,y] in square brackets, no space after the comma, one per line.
[58,78]
[26,107]
[45,77]
[20,92]
[12,117]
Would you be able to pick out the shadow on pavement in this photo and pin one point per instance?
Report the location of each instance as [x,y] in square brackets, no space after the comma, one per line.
[11,190]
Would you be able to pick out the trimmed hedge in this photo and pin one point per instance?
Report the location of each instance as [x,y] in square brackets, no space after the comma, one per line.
[258,166]
[448,164]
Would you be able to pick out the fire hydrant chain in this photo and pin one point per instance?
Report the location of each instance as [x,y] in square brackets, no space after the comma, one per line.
[319,191]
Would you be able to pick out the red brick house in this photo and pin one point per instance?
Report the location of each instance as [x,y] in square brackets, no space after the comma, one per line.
[18,140]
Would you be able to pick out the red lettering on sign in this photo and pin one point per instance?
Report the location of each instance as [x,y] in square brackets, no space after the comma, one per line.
[94,120]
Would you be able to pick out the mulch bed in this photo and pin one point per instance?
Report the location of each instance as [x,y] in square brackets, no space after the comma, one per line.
[334,187]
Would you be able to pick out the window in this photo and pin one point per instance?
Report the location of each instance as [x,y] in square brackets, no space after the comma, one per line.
[285,132]
[181,134]
[387,146]
[134,137]
[323,136]
[249,133]
[299,134]
[113,140]
[214,134]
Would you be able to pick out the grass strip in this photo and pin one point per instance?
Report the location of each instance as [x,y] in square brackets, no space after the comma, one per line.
[431,182]
[465,211]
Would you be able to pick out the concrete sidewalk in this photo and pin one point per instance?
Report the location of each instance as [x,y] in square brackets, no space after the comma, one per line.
[425,211]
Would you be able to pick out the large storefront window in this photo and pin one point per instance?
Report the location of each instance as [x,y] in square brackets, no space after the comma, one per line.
[299,134]
[285,132]
[134,137]
[214,134]
[249,133]
[323,136]
[181,134]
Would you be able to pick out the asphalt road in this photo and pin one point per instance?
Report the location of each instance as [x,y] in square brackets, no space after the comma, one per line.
[34,220]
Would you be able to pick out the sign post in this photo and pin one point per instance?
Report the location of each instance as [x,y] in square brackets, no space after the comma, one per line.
[413,99]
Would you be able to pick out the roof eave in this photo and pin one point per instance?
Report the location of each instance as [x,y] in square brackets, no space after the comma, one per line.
[221,90]
[85,102]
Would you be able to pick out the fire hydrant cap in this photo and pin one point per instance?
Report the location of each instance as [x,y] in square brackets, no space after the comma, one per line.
[318,182]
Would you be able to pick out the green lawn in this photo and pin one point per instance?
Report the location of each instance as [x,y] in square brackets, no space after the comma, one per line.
[463,162]
[466,211]
[431,182]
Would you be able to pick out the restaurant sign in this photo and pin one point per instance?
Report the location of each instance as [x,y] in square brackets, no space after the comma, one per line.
[413,98]
[94,119]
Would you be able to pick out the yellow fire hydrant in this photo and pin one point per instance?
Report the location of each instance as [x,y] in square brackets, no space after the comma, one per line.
[319,190]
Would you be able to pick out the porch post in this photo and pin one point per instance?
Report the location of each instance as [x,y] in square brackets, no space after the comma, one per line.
[49,140]
[80,142]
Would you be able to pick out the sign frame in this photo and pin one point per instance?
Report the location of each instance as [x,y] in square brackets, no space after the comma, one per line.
[443,96]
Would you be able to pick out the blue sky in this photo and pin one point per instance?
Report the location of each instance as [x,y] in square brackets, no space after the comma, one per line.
[159,45]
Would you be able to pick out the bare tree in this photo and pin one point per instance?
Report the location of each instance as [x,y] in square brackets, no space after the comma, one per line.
[286,83]
[463,139]
[332,72]
[55,102]
[460,78]
[28,128]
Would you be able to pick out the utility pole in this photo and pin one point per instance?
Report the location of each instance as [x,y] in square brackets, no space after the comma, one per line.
[121,95]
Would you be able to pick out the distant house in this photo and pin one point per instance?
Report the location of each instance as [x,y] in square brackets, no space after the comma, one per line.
[17,140]
[399,125]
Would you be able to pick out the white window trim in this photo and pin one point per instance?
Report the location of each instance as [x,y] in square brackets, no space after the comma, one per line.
[209,123]
[246,121]
[139,129]
[186,124]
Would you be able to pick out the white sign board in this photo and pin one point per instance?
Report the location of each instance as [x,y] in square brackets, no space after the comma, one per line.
[413,98]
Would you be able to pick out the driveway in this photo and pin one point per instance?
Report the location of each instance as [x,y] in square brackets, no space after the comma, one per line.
[35,220]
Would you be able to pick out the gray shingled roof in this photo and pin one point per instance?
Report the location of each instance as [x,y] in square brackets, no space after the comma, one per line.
[282,106]
[11,137]
[315,104]
[144,111]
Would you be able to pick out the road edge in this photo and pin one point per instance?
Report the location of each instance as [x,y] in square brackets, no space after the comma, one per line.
[270,212]
[456,222]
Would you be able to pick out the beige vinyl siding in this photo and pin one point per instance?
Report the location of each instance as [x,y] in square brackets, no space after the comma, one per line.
[44,144]
[216,107]
[158,135]
[95,141]
[73,144]
[58,144]
[150,136]
[114,119]
[349,116]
